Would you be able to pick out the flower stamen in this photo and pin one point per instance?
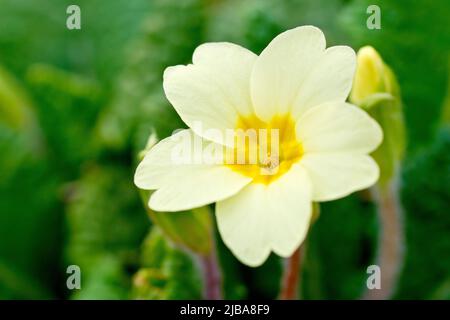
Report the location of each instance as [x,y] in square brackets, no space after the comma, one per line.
[275,147]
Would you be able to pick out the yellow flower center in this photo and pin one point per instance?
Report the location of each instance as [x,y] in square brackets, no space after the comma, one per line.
[263,150]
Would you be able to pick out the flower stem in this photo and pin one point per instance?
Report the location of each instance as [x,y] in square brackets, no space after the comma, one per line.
[390,242]
[291,275]
[211,275]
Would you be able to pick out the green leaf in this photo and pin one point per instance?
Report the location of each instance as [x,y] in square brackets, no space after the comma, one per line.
[167,272]
[425,196]
[104,218]
[67,107]
[105,279]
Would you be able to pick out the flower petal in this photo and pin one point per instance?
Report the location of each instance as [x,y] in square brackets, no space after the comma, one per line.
[213,90]
[261,218]
[329,80]
[338,127]
[337,175]
[185,182]
[199,186]
[282,67]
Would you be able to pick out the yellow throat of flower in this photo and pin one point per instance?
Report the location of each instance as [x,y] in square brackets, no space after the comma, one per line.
[263,150]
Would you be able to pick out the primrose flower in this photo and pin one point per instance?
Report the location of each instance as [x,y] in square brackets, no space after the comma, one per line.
[296,88]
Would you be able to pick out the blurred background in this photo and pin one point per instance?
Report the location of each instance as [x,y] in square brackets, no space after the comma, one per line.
[76,107]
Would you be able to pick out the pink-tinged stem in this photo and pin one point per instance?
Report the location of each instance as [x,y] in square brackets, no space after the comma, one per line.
[291,276]
[211,276]
[391,241]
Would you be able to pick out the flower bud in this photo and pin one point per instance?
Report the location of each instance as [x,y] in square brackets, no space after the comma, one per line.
[375,89]
[369,75]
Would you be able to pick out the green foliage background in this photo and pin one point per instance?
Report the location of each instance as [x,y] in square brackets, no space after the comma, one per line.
[77,106]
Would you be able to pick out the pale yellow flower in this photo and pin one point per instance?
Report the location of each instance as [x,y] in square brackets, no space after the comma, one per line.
[295,85]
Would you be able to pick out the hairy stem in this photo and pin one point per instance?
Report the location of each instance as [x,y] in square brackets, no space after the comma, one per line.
[390,242]
[291,276]
[211,275]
